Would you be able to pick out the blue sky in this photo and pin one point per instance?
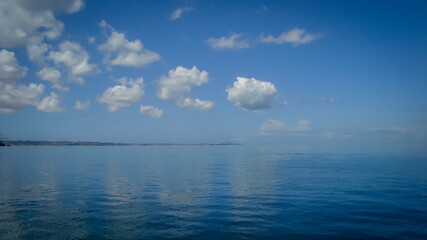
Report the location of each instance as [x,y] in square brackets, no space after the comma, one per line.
[339,74]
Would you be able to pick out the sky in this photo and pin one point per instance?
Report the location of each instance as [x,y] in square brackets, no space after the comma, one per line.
[307,75]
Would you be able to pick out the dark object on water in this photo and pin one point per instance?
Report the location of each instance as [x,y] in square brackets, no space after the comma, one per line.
[2,144]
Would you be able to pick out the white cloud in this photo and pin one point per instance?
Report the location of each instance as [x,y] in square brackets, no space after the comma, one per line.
[119,51]
[234,41]
[10,71]
[177,85]
[121,95]
[179,12]
[273,125]
[75,58]
[14,98]
[151,111]
[53,76]
[179,82]
[195,104]
[50,74]
[133,59]
[37,49]
[252,94]
[28,23]
[82,105]
[50,104]
[295,36]
[21,19]
[69,6]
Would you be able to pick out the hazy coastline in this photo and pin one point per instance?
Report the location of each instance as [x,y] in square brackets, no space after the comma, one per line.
[90,143]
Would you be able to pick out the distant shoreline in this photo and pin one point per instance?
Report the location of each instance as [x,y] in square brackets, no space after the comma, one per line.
[87,143]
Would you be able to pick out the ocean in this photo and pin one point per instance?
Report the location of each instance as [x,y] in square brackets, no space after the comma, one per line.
[208,192]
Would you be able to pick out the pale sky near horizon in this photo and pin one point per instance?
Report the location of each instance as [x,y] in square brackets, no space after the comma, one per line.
[306,74]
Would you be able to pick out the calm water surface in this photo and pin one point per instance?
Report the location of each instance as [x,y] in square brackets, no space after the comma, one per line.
[208,192]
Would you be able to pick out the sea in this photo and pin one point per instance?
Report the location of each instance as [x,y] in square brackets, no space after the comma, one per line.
[209,192]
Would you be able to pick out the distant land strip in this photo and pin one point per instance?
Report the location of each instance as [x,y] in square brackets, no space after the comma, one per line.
[84,143]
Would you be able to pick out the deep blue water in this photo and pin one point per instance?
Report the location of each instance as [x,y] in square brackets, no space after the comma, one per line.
[208,192]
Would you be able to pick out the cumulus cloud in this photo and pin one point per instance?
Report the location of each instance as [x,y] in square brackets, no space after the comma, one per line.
[37,49]
[82,105]
[69,6]
[70,58]
[16,97]
[252,94]
[179,82]
[195,104]
[177,86]
[179,12]
[10,71]
[75,59]
[21,19]
[50,104]
[295,36]
[49,74]
[234,41]
[122,52]
[273,125]
[53,76]
[123,95]
[151,111]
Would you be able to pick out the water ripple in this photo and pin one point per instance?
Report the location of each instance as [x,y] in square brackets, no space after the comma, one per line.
[209,193]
